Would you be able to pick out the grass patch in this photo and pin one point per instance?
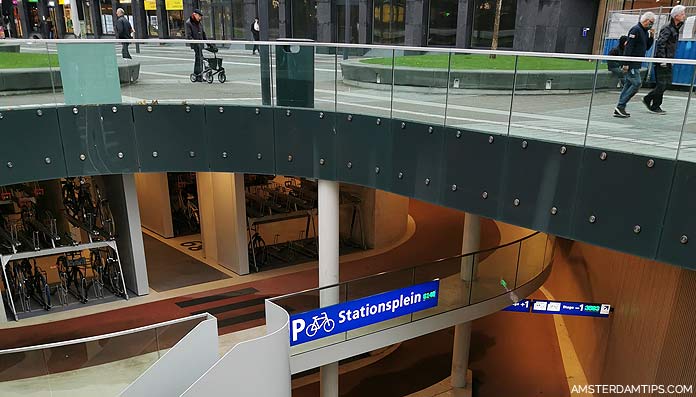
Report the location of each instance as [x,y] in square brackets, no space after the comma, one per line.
[18,60]
[477,61]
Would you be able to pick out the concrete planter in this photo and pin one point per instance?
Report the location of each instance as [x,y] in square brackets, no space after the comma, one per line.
[47,78]
[478,79]
[9,47]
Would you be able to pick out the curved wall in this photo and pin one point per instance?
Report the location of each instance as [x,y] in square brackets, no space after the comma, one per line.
[640,205]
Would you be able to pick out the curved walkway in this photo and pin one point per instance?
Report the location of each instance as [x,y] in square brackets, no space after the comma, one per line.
[438,234]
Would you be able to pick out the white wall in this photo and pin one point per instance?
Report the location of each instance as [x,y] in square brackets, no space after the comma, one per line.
[181,365]
[153,199]
[255,368]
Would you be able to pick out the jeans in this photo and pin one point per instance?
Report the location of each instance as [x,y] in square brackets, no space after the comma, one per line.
[663,76]
[619,73]
[124,51]
[198,63]
[631,85]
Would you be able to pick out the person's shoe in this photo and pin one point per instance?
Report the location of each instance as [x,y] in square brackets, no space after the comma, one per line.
[646,103]
[621,113]
[658,110]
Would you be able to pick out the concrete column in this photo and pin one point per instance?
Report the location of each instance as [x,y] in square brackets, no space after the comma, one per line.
[123,200]
[328,268]
[223,219]
[163,21]
[415,27]
[471,242]
[250,11]
[325,22]
[139,19]
[60,21]
[364,22]
[153,197]
[464,23]
[462,332]
[95,14]
[460,355]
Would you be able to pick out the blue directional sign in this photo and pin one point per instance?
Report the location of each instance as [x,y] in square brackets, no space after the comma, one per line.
[522,306]
[560,307]
[571,308]
[331,320]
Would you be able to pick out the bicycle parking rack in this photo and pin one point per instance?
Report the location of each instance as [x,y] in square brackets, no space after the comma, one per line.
[6,259]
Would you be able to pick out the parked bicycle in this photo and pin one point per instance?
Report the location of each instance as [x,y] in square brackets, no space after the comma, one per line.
[72,268]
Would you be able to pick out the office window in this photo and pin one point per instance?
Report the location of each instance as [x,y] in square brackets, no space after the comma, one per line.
[389,25]
[484,18]
[442,29]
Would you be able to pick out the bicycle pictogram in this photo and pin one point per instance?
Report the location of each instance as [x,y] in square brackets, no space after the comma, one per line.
[320,321]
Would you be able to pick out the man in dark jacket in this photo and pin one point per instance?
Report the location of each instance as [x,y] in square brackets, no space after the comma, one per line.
[616,67]
[665,47]
[194,31]
[640,39]
[124,30]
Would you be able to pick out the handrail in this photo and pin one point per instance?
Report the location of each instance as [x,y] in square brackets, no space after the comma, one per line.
[584,57]
[104,336]
[518,241]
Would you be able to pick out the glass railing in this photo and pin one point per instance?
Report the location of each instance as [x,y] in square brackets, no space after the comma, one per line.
[564,98]
[464,280]
[100,365]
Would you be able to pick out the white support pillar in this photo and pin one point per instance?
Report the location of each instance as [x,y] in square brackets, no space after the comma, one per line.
[223,219]
[471,242]
[328,269]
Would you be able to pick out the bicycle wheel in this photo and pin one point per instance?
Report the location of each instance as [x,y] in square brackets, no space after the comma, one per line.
[46,292]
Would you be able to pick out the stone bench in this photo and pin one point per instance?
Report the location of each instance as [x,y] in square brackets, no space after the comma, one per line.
[46,78]
[533,80]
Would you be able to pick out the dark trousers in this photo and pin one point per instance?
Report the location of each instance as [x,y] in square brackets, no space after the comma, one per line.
[198,63]
[663,76]
[256,48]
[124,51]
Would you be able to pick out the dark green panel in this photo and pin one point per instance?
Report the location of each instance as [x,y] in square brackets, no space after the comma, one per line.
[541,178]
[622,192]
[365,149]
[171,138]
[472,171]
[98,140]
[302,139]
[240,139]
[678,242]
[417,158]
[31,148]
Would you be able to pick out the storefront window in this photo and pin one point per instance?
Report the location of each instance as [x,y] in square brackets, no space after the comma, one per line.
[442,29]
[341,22]
[484,19]
[304,19]
[273,19]
[88,18]
[176,24]
[152,24]
[240,27]
[107,17]
[389,24]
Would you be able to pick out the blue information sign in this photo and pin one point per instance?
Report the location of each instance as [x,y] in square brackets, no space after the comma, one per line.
[571,308]
[331,320]
[521,306]
[559,307]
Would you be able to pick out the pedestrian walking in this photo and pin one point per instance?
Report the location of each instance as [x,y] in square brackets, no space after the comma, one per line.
[255,32]
[665,47]
[615,67]
[124,30]
[195,31]
[640,39]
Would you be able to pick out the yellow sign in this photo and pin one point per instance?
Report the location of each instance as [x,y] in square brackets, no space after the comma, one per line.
[150,5]
[174,5]
[61,2]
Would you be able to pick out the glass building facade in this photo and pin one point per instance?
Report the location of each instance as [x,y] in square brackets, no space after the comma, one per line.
[484,20]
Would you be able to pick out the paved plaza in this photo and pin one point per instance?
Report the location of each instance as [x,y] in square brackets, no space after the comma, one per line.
[556,117]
